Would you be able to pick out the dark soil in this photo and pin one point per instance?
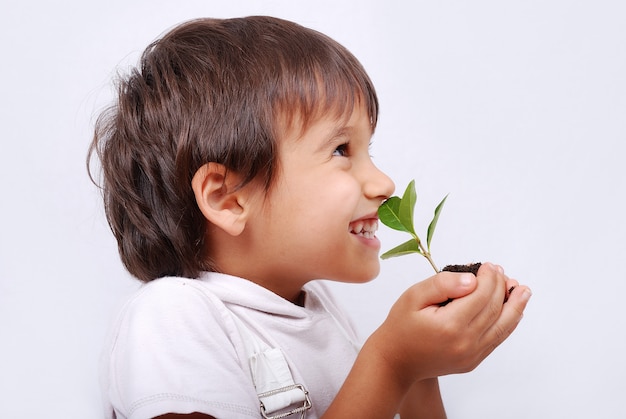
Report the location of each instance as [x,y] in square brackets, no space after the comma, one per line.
[470,267]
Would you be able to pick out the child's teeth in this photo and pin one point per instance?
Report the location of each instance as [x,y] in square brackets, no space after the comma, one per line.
[365,228]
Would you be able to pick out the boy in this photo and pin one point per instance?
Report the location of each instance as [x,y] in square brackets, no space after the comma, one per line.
[236,173]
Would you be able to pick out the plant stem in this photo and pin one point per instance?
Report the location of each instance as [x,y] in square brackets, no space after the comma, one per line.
[426,254]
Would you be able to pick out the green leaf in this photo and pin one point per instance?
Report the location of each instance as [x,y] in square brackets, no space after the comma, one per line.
[407,207]
[388,213]
[411,246]
[433,223]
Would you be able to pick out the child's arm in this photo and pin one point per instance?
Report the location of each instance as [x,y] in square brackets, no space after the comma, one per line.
[420,340]
[423,400]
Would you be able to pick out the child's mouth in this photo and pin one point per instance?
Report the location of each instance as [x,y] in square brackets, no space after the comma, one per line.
[364,228]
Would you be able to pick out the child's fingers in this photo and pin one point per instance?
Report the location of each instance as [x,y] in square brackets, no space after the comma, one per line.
[443,287]
[511,284]
[511,315]
[481,309]
[490,320]
[492,287]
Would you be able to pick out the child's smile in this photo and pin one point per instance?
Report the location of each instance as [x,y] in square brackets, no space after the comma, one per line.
[365,228]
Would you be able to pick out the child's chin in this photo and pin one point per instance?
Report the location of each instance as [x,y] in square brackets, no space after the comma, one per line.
[370,276]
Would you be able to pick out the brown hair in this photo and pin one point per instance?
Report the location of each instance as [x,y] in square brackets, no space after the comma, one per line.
[210,90]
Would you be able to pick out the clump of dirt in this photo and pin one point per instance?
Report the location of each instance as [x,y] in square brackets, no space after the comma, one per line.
[470,267]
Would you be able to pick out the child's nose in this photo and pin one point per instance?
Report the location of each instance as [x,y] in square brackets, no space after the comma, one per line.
[379,185]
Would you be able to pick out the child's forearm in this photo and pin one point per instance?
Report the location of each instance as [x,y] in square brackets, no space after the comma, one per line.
[423,400]
[373,388]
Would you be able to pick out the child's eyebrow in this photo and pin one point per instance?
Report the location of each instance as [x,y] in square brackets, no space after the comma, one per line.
[337,135]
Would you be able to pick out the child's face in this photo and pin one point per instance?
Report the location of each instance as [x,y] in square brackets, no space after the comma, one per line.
[320,216]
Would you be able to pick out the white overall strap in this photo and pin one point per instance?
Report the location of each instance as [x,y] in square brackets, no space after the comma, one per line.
[272,378]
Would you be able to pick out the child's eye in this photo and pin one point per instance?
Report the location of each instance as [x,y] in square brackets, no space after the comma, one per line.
[341,150]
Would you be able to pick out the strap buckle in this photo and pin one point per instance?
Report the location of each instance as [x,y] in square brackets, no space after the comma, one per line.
[306,403]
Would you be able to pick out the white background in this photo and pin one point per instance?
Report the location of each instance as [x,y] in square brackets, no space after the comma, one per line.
[515,108]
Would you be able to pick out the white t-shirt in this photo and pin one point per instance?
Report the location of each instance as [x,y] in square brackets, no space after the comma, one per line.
[176,349]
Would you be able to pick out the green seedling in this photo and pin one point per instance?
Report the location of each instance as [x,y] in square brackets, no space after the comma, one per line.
[397,213]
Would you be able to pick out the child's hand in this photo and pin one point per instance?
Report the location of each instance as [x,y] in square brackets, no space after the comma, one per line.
[421,339]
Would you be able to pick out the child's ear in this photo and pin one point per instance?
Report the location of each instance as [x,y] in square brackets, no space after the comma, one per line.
[218,200]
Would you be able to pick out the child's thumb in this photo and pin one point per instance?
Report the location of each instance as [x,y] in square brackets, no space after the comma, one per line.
[445,286]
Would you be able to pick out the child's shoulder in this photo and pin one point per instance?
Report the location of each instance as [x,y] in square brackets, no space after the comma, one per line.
[212,295]
[170,335]
[171,292]
[171,303]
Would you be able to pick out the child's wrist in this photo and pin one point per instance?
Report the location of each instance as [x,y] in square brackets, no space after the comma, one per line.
[390,359]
